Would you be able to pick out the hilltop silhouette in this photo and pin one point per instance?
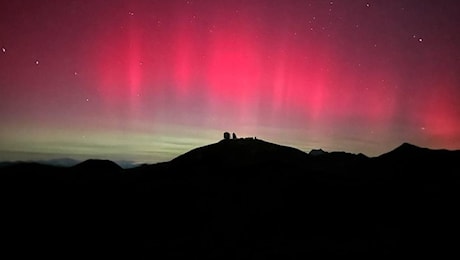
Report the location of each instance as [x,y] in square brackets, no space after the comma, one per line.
[239,198]
[240,152]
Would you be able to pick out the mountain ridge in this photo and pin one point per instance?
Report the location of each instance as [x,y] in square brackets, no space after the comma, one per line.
[405,149]
[242,198]
[247,151]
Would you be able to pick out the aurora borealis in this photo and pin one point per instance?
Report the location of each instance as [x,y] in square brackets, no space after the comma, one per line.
[145,81]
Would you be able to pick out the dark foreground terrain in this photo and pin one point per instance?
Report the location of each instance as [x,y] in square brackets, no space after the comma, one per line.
[236,199]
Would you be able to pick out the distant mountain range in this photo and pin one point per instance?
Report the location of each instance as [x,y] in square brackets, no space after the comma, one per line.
[68,162]
[237,199]
[256,147]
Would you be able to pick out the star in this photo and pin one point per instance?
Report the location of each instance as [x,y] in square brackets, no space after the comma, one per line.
[3,50]
[36,62]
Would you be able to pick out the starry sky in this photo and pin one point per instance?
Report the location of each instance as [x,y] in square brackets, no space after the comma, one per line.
[145,81]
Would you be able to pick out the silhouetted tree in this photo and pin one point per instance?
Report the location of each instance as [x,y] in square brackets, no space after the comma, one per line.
[234,136]
[226,135]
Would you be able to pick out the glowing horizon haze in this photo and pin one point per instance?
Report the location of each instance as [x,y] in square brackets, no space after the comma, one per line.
[146,81]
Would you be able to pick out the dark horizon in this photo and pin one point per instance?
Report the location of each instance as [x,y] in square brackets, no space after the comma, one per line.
[237,199]
[127,164]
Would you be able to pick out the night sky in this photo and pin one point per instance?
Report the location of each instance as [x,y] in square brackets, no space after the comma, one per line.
[145,81]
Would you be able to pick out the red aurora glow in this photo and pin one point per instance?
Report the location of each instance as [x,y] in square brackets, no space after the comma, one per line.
[349,70]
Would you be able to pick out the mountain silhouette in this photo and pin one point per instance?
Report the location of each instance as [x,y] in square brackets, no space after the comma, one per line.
[238,198]
[316,152]
[240,152]
[407,150]
[94,165]
[412,159]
